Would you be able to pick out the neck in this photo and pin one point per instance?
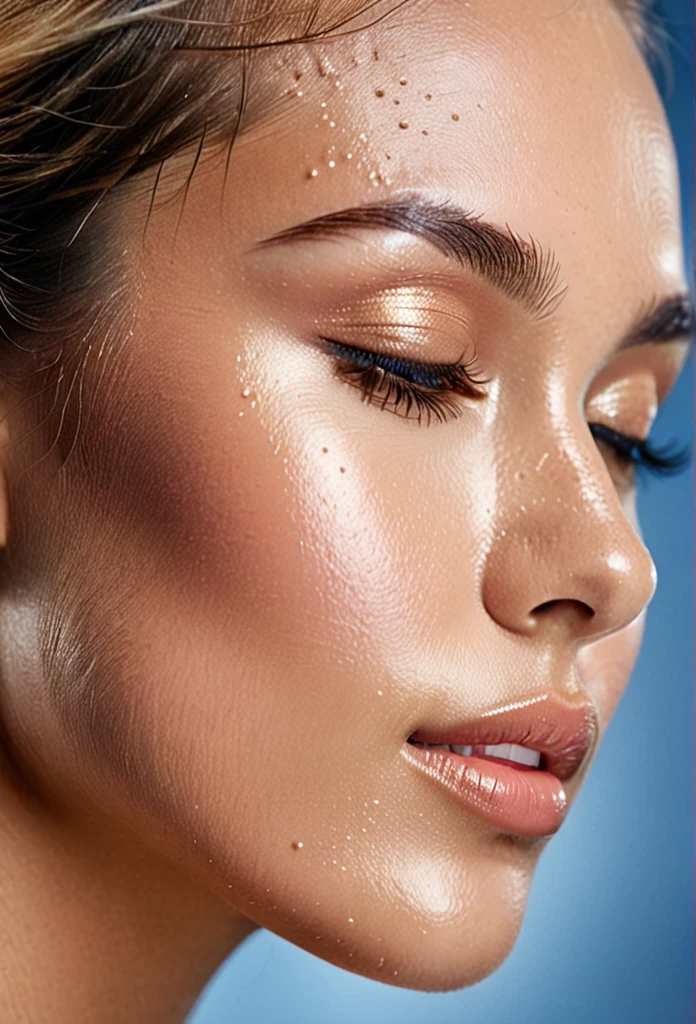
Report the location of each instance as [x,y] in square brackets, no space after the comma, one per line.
[98,928]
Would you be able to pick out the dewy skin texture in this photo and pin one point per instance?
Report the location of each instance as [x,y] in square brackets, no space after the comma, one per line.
[260,585]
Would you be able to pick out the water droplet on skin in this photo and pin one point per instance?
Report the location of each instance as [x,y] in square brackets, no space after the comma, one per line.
[379,92]
[332,163]
[323,103]
[349,156]
[363,137]
[403,124]
[313,174]
[351,921]
[246,392]
[403,81]
[325,117]
[332,124]
[241,414]
[455,117]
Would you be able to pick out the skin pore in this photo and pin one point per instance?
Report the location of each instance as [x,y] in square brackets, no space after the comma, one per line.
[232,589]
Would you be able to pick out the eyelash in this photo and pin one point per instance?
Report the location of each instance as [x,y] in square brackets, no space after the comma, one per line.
[433,388]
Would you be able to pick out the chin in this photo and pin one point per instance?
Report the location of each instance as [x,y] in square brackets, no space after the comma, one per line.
[439,932]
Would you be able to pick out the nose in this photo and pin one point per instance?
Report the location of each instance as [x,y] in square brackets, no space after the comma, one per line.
[565,559]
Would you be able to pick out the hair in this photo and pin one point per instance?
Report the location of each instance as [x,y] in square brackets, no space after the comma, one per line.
[96,92]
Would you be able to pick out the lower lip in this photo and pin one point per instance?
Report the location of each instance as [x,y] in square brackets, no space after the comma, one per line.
[523,801]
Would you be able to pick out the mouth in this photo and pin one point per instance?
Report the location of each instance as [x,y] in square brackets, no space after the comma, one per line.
[509,766]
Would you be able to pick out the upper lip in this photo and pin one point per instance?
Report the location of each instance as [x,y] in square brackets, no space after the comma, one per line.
[564,732]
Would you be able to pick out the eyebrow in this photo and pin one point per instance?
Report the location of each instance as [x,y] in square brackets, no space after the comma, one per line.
[521,268]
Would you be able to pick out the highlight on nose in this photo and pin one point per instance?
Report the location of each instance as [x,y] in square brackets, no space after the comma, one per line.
[549,574]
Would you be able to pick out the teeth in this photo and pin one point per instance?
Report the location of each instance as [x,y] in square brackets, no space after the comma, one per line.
[508,751]
[514,752]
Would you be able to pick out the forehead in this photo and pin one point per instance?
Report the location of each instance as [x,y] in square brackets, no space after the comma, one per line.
[534,113]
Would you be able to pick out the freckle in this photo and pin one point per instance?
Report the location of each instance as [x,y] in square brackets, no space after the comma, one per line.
[296,845]
[397,102]
[428,96]
[403,124]
[388,156]
[379,92]
[403,81]
[455,117]
[325,450]
[375,54]
[298,76]
[343,469]
[425,131]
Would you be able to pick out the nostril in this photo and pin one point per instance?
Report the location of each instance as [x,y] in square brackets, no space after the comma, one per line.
[561,604]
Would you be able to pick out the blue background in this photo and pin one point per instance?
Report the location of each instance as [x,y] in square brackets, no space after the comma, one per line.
[608,934]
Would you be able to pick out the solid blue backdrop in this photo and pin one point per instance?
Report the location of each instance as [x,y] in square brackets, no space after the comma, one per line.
[608,935]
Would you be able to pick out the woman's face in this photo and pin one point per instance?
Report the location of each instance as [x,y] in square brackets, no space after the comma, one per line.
[247,587]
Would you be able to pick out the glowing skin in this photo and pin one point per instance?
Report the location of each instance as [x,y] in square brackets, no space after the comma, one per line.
[263,585]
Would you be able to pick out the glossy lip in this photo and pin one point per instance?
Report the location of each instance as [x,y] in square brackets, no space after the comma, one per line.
[531,802]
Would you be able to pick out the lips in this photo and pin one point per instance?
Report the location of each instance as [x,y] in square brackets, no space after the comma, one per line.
[520,799]
[562,732]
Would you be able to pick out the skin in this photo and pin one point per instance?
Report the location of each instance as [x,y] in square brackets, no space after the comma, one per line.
[226,612]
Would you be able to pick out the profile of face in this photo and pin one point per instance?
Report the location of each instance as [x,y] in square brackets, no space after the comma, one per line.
[352,486]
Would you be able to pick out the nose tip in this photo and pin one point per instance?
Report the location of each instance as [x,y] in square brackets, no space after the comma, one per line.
[579,578]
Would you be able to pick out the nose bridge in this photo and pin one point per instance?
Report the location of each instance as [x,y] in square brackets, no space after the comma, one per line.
[563,552]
